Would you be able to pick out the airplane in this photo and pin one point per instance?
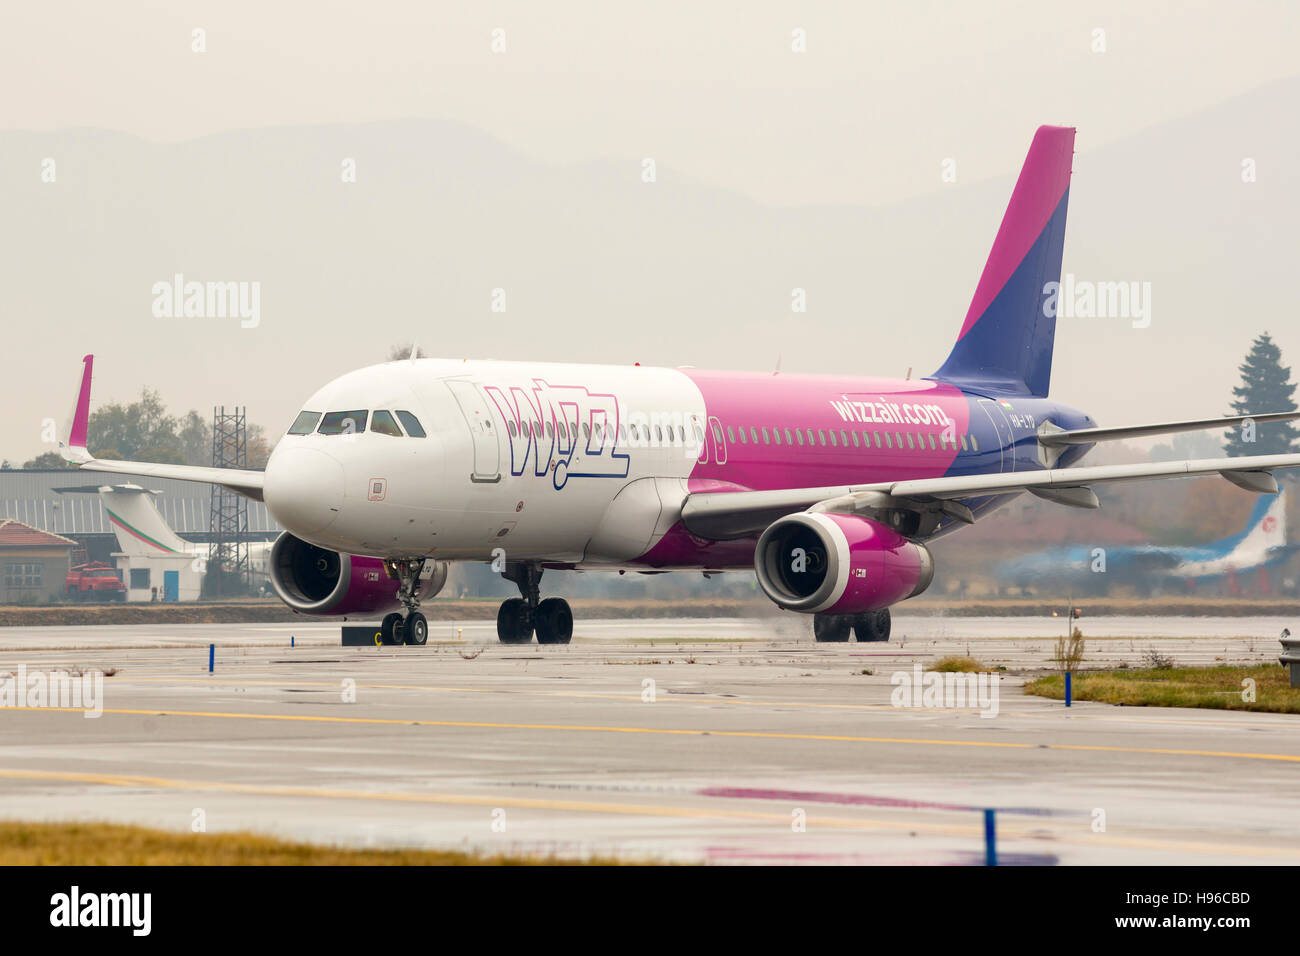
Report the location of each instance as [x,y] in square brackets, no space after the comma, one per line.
[1261,543]
[141,530]
[827,486]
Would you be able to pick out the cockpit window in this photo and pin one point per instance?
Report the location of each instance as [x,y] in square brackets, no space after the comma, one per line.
[382,422]
[305,423]
[410,423]
[343,423]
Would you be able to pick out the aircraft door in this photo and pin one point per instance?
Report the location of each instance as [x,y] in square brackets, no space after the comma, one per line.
[1002,428]
[482,429]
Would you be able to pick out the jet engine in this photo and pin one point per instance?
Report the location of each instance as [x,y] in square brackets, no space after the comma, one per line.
[315,580]
[839,564]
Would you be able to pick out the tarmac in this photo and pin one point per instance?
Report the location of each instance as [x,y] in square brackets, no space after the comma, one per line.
[714,741]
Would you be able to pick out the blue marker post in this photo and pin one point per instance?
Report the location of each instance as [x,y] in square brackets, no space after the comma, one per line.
[212,656]
[1068,675]
[990,839]
[291,640]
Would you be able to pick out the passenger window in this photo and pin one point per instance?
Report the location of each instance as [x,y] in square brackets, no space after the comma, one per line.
[305,423]
[586,432]
[717,434]
[340,423]
[856,444]
[822,436]
[964,447]
[743,439]
[930,439]
[753,434]
[788,439]
[898,440]
[776,435]
[889,443]
[510,427]
[974,443]
[910,443]
[382,422]
[834,443]
[877,436]
[798,433]
[410,423]
[731,435]
[812,437]
[766,437]
[549,433]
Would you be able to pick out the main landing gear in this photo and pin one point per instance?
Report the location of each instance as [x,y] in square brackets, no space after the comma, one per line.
[518,617]
[870,626]
[412,627]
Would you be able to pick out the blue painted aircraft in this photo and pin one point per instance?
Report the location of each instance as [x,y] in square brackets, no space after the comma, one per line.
[1261,543]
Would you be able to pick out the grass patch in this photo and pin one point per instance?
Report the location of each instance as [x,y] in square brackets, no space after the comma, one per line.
[1215,688]
[959,665]
[111,844]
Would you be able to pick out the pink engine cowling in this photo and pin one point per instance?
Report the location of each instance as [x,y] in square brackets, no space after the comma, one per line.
[318,581]
[839,564]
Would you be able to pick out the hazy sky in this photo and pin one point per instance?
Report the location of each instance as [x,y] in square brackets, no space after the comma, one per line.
[713,92]
[883,94]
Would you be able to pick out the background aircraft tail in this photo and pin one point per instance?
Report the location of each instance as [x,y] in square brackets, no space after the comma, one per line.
[1005,344]
[1265,530]
[140,529]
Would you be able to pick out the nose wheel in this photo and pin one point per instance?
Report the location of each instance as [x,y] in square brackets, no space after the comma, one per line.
[518,618]
[411,627]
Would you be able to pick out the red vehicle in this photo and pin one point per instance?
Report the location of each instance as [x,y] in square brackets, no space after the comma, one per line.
[95,581]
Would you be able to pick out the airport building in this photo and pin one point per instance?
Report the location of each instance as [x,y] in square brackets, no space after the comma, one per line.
[65,507]
[35,563]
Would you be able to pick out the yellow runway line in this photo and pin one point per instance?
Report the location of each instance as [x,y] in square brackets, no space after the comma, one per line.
[674,731]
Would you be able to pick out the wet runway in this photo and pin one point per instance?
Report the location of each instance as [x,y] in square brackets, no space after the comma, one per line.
[701,741]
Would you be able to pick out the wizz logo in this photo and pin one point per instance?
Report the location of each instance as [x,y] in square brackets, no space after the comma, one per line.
[566,430]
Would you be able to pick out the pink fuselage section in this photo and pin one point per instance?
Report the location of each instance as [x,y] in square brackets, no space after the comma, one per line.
[809,409]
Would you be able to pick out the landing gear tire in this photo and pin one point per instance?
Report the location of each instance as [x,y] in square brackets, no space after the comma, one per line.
[390,629]
[554,621]
[832,627]
[515,622]
[417,628]
[872,626]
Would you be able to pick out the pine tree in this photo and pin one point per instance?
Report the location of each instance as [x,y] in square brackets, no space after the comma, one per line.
[1266,386]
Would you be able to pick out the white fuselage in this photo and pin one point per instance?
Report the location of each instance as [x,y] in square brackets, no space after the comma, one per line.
[541,491]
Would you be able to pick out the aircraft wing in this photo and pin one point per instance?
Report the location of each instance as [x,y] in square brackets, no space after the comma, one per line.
[1051,435]
[736,514]
[246,483]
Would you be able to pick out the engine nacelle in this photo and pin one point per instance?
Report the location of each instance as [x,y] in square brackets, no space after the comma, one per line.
[319,581]
[839,564]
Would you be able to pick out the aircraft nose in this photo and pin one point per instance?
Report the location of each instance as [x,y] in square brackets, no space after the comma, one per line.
[303,489]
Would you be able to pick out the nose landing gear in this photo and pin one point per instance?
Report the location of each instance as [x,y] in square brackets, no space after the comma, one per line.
[518,617]
[413,627]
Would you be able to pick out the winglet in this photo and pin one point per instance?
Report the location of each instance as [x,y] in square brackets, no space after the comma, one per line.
[75,447]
